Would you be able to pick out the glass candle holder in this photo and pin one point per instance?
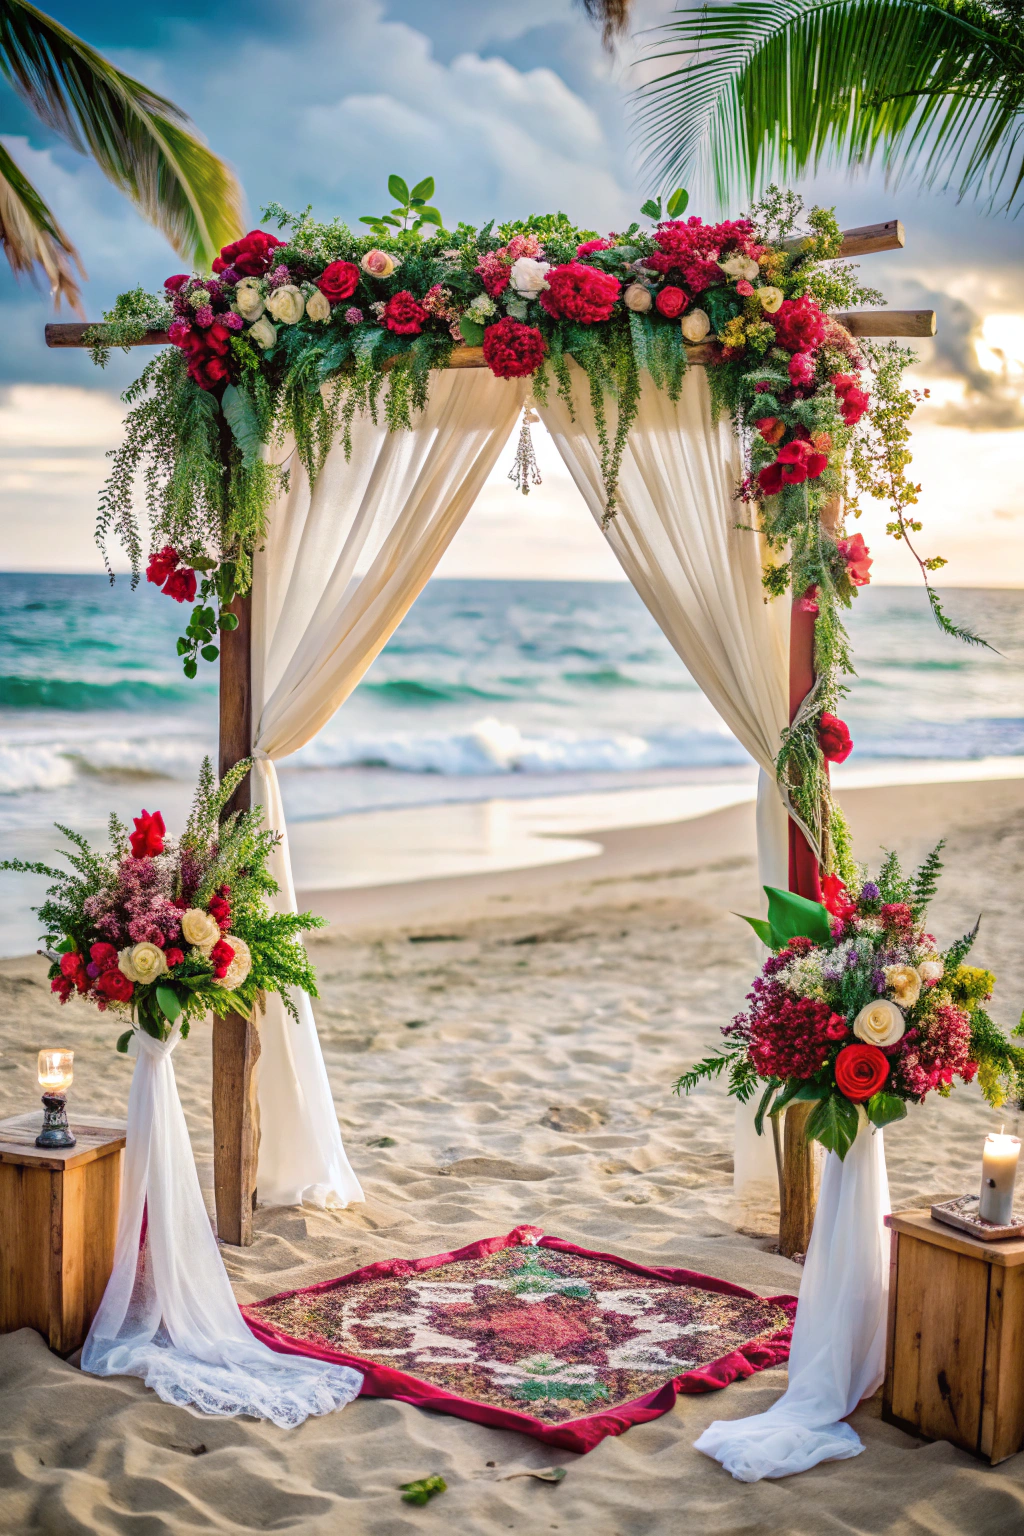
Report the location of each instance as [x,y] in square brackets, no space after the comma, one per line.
[56,1074]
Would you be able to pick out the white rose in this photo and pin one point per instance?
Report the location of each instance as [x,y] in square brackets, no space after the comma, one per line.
[904,982]
[528,276]
[287,304]
[144,962]
[240,966]
[262,333]
[378,263]
[695,325]
[318,306]
[739,265]
[770,299]
[879,1023]
[200,928]
[638,298]
[930,970]
[248,299]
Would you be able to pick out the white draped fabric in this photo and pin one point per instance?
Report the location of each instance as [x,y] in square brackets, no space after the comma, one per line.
[837,1356]
[342,566]
[168,1313]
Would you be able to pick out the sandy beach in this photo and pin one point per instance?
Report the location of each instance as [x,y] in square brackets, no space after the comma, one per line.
[456,1016]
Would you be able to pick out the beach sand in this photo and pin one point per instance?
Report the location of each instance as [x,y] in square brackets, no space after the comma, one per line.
[455,1015]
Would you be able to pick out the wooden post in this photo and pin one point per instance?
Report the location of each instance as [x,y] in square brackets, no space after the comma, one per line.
[801,1174]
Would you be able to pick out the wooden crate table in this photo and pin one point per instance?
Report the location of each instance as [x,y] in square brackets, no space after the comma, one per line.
[58,1222]
[954,1365]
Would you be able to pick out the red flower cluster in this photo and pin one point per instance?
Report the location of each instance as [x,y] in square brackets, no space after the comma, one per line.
[788,1036]
[860,1071]
[207,351]
[858,560]
[799,324]
[671,302]
[854,400]
[837,899]
[693,248]
[219,907]
[101,973]
[834,738]
[249,257]
[513,350]
[148,838]
[576,292]
[801,370]
[221,956]
[898,918]
[404,315]
[165,570]
[932,1059]
[338,280]
[797,461]
[593,245]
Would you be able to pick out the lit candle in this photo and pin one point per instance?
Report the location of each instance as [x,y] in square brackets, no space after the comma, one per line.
[998,1172]
[56,1070]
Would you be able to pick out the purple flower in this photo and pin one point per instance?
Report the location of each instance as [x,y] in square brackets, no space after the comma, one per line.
[279,276]
[204,315]
[852,959]
[92,969]
[353,315]
[232,321]
[870,892]
[878,982]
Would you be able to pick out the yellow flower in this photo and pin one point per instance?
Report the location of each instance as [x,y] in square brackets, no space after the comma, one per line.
[770,299]
[970,985]
[904,982]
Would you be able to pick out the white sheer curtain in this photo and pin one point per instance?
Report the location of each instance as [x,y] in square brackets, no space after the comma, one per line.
[676,537]
[168,1313]
[342,566]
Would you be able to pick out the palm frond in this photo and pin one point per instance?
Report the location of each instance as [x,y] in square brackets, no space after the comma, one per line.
[31,236]
[759,90]
[141,141]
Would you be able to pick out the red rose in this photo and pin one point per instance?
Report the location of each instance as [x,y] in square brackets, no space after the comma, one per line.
[799,324]
[251,255]
[173,957]
[176,284]
[221,956]
[593,245]
[69,964]
[671,302]
[858,560]
[115,986]
[836,898]
[148,838]
[62,987]
[161,565]
[103,955]
[860,1071]
[181,584]
[338,281]
[576,292]
[513,350]
[770,479]
[834,738]
[404,315]
[771,429]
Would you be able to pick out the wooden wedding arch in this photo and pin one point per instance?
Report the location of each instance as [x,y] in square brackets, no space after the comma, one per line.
[236,1045]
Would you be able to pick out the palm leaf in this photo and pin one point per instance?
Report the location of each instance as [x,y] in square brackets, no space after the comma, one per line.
[757,90]
[141,141]
[31,236]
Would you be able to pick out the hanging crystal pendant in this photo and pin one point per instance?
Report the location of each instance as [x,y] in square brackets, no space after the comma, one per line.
[525,470]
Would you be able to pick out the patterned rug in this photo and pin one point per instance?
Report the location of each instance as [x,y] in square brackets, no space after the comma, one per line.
[531,1333]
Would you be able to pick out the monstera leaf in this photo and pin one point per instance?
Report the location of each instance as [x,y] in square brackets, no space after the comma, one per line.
[789,917]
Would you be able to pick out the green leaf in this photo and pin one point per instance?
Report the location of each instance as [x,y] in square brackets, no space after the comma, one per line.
[472,332]
[394,223]
[677,202]
[170,1004]
[834,1124]
[190,668]
[245,429]
[424,188]
[431,216]
[228,621]
[398,189]
[65,947]
[884,1108]
[652,208]
[372,219]
[762,928]
[793,916]
[203,563]
[209,653]
[183,646]
[123,1041]
[773,1084]
[149,1024]
[796,1092]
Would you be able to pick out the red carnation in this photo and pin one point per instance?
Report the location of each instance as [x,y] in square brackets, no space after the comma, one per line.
[858,559]
[799,324]
[62,987]
[860,1071]
[671,302]
[115,986]
[70,963]
[513,350]
[251,255]
[173,957]
[103,955]
[219,910]
[176,284]
[404,315]
[576,292]
[181,585]
[221,956]
[834,738]
[162,564]
[898,917]
[148,838]
[771,429]
[593,245]
[338,281]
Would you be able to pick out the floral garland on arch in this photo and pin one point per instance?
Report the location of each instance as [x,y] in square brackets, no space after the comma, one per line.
[163,929]
[298,333]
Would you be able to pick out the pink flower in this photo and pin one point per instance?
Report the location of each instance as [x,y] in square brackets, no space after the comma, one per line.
[745,288]
[204,316]
[177,331]
[808,603]
[801,369]
[353,316]
[593,245]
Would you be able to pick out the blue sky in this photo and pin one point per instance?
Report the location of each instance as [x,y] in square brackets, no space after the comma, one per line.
[514,109]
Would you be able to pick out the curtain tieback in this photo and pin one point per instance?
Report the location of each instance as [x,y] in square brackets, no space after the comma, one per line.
[259,756]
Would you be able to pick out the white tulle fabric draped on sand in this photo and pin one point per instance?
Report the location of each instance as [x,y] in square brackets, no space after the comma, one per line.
[168,1313]
[837,1357]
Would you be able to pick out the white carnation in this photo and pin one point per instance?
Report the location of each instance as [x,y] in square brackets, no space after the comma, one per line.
[240,966]
[529,276]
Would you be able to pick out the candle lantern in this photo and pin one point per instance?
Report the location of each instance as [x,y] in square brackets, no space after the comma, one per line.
[998,1173]
[56,1074]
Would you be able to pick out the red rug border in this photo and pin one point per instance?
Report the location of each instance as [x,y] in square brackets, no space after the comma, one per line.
[580,1434]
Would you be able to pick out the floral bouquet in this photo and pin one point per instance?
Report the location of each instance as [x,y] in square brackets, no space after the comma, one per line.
[858,1008]
[159,929]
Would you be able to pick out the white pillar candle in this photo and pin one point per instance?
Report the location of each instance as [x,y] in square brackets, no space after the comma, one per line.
[998,1172]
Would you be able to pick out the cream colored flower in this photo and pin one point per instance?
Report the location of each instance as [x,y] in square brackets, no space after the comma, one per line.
[695,326]
[262,333]
[378,263]
[529,276]
[143,962]
[240,966]
[287,304]
[248,299]
[770,299]
[904,982]
[879,1023]
[200,928]
[638,298]
[930,970]
[318,306]
[740,266]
